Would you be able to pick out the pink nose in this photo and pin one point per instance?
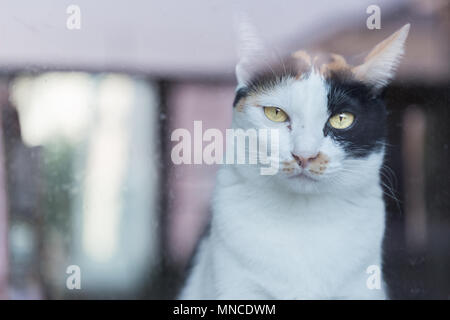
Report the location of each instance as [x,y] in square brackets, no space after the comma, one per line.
[303,162]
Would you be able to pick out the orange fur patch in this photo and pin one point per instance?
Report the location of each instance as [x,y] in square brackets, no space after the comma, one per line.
[338,63]
[325,64]
[319,164]
[303,55]
[304,62]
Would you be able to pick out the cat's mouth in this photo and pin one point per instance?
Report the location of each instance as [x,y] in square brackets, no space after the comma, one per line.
[303,176]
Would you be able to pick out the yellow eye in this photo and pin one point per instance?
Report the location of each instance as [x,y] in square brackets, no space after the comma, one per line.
[275,114]
[342,120]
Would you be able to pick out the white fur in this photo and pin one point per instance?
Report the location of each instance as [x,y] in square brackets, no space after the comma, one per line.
[253,53]
[288,237]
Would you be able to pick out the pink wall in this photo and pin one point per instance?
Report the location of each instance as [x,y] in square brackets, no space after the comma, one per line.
[191,185]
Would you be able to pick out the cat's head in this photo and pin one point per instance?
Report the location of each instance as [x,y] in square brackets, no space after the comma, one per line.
[329,115]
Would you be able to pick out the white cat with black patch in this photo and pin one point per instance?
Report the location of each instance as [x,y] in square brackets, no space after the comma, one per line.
[312,230]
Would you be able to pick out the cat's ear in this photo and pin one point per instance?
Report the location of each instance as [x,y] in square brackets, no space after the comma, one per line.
[252,51]
[380,64]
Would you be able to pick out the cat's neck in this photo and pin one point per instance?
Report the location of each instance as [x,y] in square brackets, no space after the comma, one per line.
[240,203]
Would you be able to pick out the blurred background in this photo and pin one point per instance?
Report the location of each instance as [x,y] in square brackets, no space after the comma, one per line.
[87,109]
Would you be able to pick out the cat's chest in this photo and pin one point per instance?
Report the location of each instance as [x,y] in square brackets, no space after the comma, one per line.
[298,236]
[298,221]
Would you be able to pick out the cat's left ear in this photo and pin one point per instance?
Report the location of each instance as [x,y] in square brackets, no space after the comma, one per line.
[253,52]
[380,64]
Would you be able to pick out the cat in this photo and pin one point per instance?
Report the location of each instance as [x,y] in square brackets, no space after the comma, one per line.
[314,229]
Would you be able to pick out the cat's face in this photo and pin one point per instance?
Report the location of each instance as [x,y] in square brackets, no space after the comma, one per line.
[331,131]
[330,119]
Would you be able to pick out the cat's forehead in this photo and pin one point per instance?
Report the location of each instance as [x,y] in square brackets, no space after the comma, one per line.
[300,66]
[325,64]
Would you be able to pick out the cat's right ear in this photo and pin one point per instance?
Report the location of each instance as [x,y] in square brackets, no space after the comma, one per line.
[252,52]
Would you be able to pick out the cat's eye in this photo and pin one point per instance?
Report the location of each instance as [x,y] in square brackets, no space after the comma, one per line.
[342,120]
[275,114]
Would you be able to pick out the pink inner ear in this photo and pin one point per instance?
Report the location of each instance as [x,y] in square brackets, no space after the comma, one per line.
[380,64]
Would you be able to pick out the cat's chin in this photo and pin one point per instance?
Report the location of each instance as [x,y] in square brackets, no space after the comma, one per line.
[305,186]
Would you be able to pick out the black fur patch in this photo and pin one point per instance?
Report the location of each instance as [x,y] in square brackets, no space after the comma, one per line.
[368,131]
[268,79]
[241,93]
